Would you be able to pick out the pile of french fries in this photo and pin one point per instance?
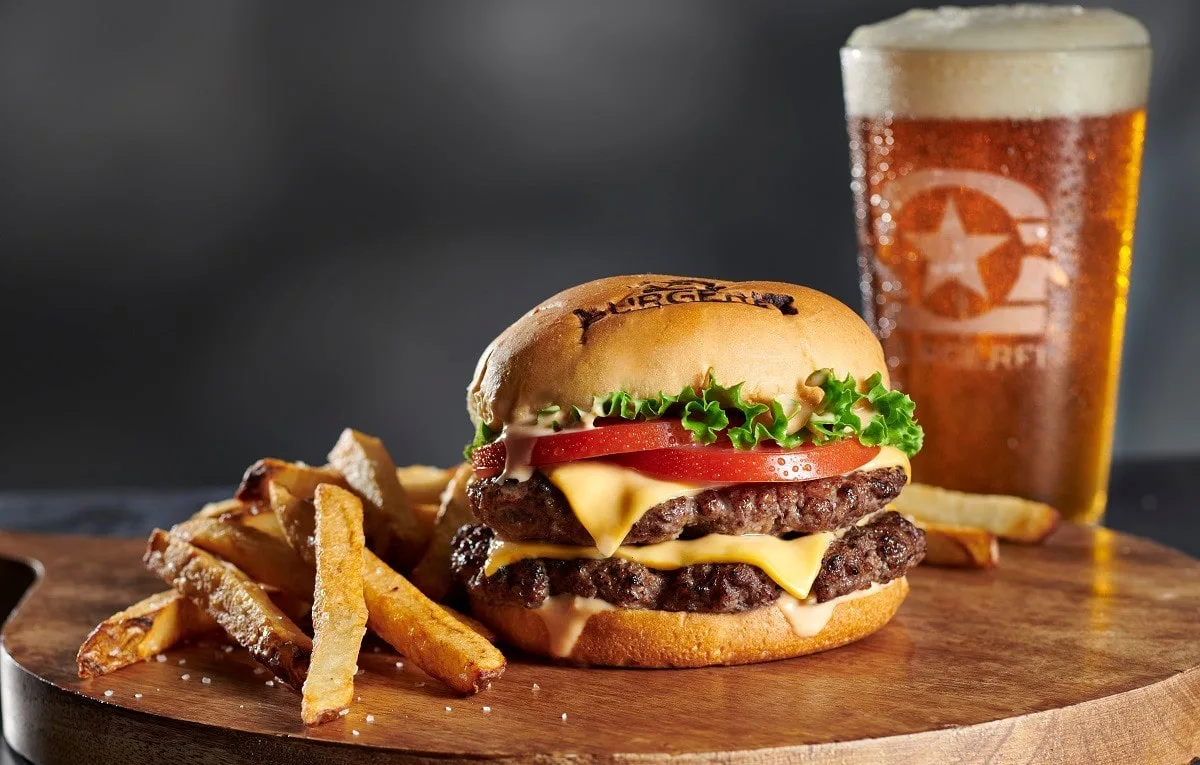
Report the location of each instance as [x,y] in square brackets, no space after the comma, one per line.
[303,560]
[963,530]
[300,564]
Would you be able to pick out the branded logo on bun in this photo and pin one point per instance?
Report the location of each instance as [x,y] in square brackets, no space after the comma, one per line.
[658,294]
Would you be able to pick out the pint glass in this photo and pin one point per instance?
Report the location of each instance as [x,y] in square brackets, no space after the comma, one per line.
[995,155]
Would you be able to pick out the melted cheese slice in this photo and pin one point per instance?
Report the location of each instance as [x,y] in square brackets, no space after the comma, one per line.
[889,456]
[608,499]
[792,563]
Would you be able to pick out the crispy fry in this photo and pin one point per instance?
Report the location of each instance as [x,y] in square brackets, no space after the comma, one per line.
[155,625]
[339,609]
[445,644]
[297,519]
[254,514]
[143,630]
[263,521]
[236,603]
[432,574]
[424,484]
[263,557]
[959,546]
[1010,518]
[391,527]
[299,479]
[441,645]
[225,509]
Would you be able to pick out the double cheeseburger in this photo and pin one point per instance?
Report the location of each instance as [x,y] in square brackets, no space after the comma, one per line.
[676,472]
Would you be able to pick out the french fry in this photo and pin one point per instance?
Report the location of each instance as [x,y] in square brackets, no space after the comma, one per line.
[299,479]
[432,574]
[253,514]
[223,510]
[391,527]
[959,546]
[145,629]
[447,645]
[297,519]
[441,645]
[339,609]
[264,558]
[155,625]
[392,530]
[1010,518]
[263,521]
[424,484]
[236,603]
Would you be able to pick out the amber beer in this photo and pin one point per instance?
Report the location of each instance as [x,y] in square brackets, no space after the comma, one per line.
[995,160]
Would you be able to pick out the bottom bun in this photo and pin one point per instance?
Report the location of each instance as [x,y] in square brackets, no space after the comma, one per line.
[642,638]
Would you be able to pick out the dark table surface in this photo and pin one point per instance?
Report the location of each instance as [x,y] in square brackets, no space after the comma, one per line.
[1150,498]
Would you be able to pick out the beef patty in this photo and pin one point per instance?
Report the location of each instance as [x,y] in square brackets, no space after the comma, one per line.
[879,551]
[536,510]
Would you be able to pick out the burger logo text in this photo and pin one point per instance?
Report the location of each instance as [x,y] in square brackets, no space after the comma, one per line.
[681,292]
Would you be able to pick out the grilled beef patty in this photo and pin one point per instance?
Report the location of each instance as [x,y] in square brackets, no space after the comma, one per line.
[879,551]
[536,510]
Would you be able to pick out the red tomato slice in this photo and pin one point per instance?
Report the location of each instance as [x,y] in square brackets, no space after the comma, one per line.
[724,464]
[581,444]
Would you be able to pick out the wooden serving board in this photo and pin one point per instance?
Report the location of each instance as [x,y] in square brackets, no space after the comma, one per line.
[1084,650]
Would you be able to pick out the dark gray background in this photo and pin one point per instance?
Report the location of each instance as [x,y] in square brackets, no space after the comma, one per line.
[230,228]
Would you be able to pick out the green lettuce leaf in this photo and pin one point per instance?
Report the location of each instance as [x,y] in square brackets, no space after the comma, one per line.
[705,419]
[716,409]
[762,432]
[834,418]
[621,404]
[483,436]
[893,423]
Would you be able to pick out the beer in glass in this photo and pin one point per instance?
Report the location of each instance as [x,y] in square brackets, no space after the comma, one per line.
[995,155]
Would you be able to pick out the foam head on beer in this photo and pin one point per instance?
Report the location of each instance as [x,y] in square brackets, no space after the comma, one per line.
[1000,61]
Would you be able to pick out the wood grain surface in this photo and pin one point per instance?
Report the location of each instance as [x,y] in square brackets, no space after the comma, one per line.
[1085,650]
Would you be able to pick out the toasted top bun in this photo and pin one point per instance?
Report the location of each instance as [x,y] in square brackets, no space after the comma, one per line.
[649,334]
[661,639]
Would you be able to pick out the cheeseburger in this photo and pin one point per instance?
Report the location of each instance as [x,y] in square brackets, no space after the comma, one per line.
[676,472]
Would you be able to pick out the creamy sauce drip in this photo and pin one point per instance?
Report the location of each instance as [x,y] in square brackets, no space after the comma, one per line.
[807,617]
[518,450]
[565,616]
[518,445]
